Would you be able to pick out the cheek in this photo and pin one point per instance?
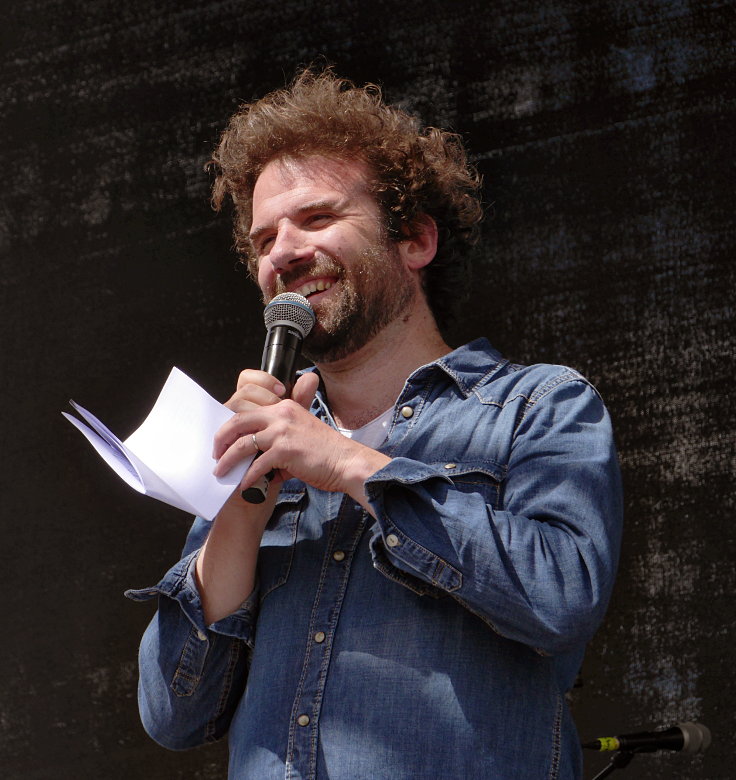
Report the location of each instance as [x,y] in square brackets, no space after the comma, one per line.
[265,275]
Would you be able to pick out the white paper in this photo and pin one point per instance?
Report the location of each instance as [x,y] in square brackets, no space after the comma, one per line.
[169,457]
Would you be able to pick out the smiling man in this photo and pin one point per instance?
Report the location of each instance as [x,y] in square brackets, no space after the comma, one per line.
[320,232]
[413,598]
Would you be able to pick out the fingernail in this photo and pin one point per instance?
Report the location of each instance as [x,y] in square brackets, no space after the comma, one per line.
[279,389]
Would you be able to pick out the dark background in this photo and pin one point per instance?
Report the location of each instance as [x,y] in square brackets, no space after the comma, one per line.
[605,135]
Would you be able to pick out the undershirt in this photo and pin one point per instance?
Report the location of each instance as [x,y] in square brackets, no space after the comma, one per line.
[373,433]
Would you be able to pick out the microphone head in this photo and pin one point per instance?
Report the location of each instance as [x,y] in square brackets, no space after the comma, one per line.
[696,737]
[289,309]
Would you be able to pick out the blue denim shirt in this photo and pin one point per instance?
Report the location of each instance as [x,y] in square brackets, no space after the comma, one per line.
[437,641]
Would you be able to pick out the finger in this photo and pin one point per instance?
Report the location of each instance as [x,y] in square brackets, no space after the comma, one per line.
[250,394]
[238,451]
[305,388]
[261,471]
[240,425]
[253,377]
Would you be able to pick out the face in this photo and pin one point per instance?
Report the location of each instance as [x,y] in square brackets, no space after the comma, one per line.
[319,232]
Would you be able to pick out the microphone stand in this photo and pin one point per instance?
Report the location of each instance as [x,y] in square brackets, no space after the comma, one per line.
[692,738]
[619,760]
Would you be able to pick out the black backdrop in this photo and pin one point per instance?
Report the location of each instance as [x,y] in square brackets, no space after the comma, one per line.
[604,132]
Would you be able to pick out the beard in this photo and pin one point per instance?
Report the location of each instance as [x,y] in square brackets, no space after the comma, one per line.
[373,291]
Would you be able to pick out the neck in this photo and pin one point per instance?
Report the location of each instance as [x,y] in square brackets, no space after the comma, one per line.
[363,385]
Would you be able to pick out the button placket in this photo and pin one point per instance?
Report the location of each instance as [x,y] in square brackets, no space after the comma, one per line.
[348,524]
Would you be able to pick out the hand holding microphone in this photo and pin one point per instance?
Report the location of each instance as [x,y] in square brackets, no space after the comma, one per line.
[292,439]
[288,318]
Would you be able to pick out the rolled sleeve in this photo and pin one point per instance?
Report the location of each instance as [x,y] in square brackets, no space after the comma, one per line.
[191,675]
[391,544]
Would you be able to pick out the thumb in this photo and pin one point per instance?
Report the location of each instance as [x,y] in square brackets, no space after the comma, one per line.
[304,389]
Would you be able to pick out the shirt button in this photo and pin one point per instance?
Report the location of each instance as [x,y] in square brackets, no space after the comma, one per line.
[407,412]
[392,540]
[450,466]
[303,720]
[201,636]
[319,637]
[338,555]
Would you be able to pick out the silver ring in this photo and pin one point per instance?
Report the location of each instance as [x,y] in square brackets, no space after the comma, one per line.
[255,442]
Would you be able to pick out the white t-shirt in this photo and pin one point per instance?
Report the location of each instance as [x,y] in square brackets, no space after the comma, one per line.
[373,433]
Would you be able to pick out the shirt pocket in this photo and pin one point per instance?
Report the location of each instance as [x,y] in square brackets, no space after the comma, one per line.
[276,552]
[476,477]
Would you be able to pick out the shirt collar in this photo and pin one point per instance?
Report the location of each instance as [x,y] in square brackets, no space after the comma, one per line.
[471,365]
[468,366]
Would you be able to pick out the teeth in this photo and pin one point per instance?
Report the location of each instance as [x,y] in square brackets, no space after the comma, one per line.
[316,286]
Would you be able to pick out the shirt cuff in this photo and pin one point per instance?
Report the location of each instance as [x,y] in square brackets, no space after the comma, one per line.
[179,584]
[396,554]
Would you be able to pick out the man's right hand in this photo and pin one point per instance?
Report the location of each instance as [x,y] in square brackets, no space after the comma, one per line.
[292,441]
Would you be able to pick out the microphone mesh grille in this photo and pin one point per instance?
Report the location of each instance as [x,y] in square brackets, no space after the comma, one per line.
[289,309]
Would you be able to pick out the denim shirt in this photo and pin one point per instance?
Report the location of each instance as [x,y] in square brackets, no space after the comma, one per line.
[437,641]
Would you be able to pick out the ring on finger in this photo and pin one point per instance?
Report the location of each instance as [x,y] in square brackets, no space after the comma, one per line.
[255,442]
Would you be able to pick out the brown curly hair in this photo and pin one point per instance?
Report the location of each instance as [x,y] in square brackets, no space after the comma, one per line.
[416,171]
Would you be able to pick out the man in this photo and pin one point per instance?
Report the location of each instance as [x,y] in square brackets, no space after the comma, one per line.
[413,598]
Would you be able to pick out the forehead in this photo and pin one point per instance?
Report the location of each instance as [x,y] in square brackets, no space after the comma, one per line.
[292,179]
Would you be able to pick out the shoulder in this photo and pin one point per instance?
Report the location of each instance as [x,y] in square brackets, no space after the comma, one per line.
[536,381]
[503,381]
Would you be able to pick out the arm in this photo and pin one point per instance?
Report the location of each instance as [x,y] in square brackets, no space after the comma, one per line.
[193,656]
[191,674]
[292,443]
[537,565]
[225,567]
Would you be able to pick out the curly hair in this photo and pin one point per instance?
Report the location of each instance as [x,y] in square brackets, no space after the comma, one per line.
[415,171]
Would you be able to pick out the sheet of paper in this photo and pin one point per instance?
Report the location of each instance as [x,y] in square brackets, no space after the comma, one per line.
[175,442]
[115,456]
[169,457]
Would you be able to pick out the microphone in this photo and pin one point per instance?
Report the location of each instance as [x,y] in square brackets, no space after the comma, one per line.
[288,318]
[687,737]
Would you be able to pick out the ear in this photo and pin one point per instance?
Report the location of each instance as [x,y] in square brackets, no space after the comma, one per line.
[419,250]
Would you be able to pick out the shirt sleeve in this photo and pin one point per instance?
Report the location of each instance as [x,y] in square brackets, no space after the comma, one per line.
[191,676]
[539,565]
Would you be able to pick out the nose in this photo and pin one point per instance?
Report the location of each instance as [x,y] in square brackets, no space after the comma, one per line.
[290,247]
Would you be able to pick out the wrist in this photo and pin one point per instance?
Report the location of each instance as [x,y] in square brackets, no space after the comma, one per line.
[241,516]
[226,564]
[365,463]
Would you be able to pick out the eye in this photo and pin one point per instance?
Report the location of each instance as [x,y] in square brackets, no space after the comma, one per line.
[318,220]
[263,246]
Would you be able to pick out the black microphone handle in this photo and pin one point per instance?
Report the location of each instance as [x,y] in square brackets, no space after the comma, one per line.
[646,742]
[280,354]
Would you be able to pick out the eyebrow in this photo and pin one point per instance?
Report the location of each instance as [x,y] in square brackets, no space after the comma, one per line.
[328,204]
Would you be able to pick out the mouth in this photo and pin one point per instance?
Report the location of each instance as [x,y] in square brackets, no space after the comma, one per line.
[314,287]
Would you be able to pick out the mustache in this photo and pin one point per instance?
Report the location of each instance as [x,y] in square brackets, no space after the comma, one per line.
[322,265]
